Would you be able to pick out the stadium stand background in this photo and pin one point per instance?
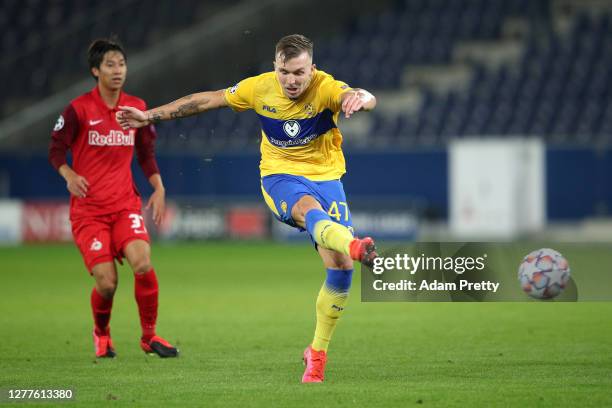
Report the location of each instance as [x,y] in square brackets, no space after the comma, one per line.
[465,67]
[442,70]
[173,48]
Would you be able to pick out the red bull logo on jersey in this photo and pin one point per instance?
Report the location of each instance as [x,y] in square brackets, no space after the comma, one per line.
[114,138]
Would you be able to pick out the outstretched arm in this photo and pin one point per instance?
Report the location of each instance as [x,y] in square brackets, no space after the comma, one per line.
[356,100]
[129,117]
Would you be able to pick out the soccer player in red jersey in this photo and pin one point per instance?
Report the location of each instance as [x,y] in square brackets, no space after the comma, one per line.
[105,206]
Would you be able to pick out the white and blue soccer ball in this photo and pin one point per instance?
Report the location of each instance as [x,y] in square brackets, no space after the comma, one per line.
[544,273]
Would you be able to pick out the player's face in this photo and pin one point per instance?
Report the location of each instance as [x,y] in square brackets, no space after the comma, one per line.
[112,72]
[295,74]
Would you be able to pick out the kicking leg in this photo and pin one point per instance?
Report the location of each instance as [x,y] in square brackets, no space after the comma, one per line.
[308,213]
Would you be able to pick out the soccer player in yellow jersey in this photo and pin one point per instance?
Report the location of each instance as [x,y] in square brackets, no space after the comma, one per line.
[301,165]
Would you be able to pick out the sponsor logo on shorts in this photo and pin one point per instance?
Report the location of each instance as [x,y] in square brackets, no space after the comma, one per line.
[95,245]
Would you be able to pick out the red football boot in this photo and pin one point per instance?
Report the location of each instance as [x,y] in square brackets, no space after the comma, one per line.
[315,365]
[363,250]
[103,345]
[159,346]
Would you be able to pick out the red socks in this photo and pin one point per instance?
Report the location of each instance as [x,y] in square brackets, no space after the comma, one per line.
[101,312]
[146,292]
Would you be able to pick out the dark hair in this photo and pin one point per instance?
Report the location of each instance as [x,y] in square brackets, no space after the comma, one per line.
[97,49]
[291,46]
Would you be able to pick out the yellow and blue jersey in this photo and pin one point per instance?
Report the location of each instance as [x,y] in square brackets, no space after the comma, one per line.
[299,137]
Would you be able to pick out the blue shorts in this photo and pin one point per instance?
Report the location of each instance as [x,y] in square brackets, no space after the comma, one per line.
[282,191]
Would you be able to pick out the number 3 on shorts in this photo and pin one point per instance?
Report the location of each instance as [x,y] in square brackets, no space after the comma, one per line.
[334,210]
[138,223]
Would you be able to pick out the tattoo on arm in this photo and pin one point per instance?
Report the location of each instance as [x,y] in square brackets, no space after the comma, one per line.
[190,108]
[155,117]
[186,109]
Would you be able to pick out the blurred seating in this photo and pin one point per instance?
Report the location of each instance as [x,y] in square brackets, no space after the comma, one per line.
[44,42]
[559,90]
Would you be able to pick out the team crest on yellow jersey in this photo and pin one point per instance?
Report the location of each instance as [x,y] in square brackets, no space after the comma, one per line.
[309,109]
[292,128]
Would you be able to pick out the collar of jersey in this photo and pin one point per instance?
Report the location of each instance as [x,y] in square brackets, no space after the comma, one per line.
[98,98]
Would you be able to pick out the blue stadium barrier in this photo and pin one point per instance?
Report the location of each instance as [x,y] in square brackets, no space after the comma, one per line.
[577,180]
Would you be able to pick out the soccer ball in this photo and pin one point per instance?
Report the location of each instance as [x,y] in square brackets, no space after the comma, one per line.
[544,273]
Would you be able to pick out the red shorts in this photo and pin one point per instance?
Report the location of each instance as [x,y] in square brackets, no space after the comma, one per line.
[103,238]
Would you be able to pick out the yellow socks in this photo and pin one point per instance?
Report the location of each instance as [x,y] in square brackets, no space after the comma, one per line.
[334,293]
[327,233]
[330,304]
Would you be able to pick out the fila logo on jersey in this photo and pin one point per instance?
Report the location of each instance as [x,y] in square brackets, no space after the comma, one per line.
[115,138]
[95,245]
[269,109]
[291,128]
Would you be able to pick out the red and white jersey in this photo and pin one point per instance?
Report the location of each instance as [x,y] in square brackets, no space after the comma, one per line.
[102,153]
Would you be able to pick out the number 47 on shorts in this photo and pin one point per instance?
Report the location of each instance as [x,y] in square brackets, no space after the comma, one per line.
[335,212]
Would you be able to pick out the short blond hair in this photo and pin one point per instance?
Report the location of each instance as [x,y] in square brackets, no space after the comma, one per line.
[291,46]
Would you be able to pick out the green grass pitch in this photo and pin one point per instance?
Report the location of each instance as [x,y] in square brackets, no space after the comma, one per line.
[242,314]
